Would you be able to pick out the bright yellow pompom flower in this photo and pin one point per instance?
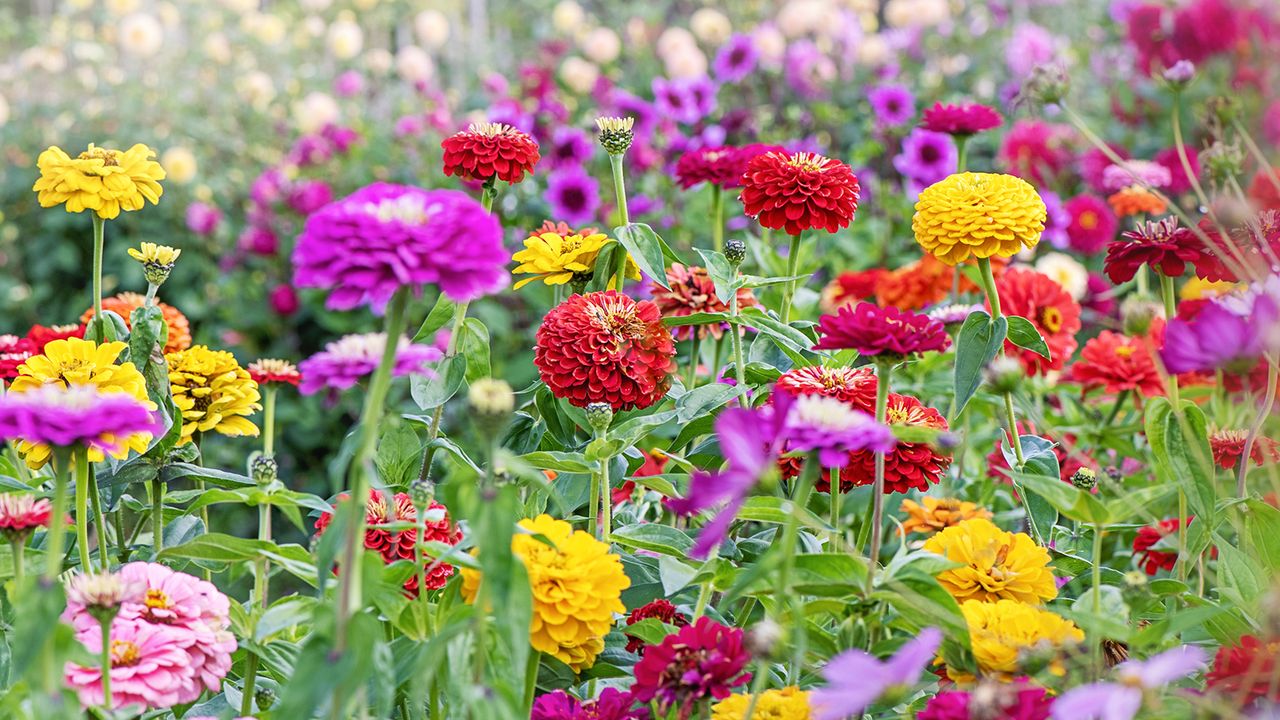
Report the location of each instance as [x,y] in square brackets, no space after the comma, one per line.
[555,254]
[994,564]
[978,215]
[74,361]
[1001,632]
[576,585]
[212,392]
[788,703]
[99,179]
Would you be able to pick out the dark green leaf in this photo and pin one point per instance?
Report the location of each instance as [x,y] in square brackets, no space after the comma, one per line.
[976,345]
[722,274]
[432,392]
[645,248]
[1025,335]
[440,315]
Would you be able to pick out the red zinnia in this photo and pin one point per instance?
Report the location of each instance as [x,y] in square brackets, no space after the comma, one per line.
[1163,245]
[659,609]
[21,514]
[721,166]
[1093,224]
[41,335]
[1150,559]
[1228,446]
[488,150]
[13,352]
[1247,671]
[271,370]
[856,386]
[1263,190]
[911,465]
[703,660]
[795,192]
[1246,253]
[962,120]
[399,544]
[655,461]
[692,291]
[1116,363]
[605,347]
[1036,151]
[1051,309]
[873,330]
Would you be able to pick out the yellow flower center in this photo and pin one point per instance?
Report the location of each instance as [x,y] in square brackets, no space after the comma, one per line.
[1051,319]
[1088,220]
[156,599]
[124,653]
[1124,351]
[811,162]
[108,157]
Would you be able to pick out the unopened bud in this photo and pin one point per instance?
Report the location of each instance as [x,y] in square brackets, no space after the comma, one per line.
[616,134]
[762,639]
[1137,314]
[263,469]
[1004,374]
[265,697]
[735,251]
[1222,109]
[1046,85]
[1135,579]
[599,415]
[1222,162]
[492,398]
[422,491]
[1180,74]
[1085,479]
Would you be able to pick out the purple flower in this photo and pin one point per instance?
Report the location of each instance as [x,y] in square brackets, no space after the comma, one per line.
[344,361]
[569,147]
[341,136]
[893,105]
[927,157]
[833,428]
[685,100]
[309,196]
[855,679]
[1122,700]
[1057,222]
[259,240]
[203,219]
[348,84]
[1135,172]
[573,195]
[643,112]
[736,58]
[613,704]
[1220,339]
[75,416]
[808,70]
[382,237]
[269,187]
[311,150]
[1030,45]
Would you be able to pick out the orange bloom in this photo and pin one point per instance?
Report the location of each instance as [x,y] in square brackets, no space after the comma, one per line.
[1116,363]
[126,302]
[1135,200]
[938,513]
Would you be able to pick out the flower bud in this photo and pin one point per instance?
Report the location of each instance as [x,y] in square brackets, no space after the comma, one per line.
[763,638]
[1180,74]
[1222,161]
[1046,85]
[616,133]
[735,251]
[100,594]
[422,491]
[1004,374]
[157,261]
[265,697]
[1135,579]
[599,415]
[1114,475]
[1223,109]
[263,469]
[1085,478]
[1137,314]
[492,398]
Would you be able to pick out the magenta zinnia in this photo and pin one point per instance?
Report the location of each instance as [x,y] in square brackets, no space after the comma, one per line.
[873,330]
[344,362]
[961,120]
[77,416]
[703,660]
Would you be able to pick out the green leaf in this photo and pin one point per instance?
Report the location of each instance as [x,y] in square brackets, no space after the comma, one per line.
[559,461]
[821,575]
[432,392]
[474,344]
[722,274]
[1025,335]
[778,510]
[977,344]
[1039,458]
[702,400]
[1262,527]
[699,318]
[645,248]
[650,630]
[1241,579]
[1180,446]
[661,539]
[440,315]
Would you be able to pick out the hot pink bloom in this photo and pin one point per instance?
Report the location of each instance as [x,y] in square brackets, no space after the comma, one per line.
[150,666]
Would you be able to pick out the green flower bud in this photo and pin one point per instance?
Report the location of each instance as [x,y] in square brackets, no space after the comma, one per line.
[599,415]
[616,134]
[1004,374]
[1085,479]
[263,469]
[735,251]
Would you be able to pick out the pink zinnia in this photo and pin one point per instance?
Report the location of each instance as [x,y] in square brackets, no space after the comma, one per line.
[873,330]
[962,120]
[1036,151]
[14,351]
[344,362]
[703,660]
[21,513]
[1180,182]
[150,666]
[1093,223]
[74,416]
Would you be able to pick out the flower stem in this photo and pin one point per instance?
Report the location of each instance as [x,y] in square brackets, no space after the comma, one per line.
[104,657]
[57,518]
[1273,373]
[1097,589]
[962,152]
[250,680]
[695,349]
[735,339]
[624,216]
[531,679]
[1257,153]
[19,546]
[717,217]
[1167,293]
[993,297]
[1115,408]
[1182,534]
[704,596]
[604,531]
[793,268]
[459,317]
[883,379]
[99,519]
[157,515]
[790,540]
[82,508]
[99,240]
[1181,147]
[835,491]
[269,422]
[370,418]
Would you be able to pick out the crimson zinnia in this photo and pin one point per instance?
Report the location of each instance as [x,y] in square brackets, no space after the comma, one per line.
[795,192]
[1163,245]
[658,609]
[690,290]
[487,150]
[1117,363]
[873,330]
[1247,671]
[1036,297]
[961,120]
[911,465]
[1228,447]
[703,660]
[856,386]
[605,347]
[1150,559]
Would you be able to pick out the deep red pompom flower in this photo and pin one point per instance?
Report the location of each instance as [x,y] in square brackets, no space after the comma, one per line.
[690,290]
[1051,309]
[874,330]
[1228,447]
[911,465]
[1247,671]
[488,150]
[720,166]
[1117,363]
[964,119]
[1163,245]
[13,352]
[1150,559]
[41,335]
[703,660]
[395,545]
[794,192]
[605,347]
[658,609]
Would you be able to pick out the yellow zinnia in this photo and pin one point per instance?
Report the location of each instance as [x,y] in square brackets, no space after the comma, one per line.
[938,513]
[212,392]
[157,261]
[74,361]
[555,253]
[1001,632]
[789,703]
[978,215]
[99,179]
[994,564]
[576,585]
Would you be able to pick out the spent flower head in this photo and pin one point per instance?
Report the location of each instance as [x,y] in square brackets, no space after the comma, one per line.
[491,397]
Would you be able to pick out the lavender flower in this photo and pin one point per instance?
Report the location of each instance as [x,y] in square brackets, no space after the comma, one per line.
[893,105]
[1220,339]
[927,157]
[855,679]
[383,237]
[833,428]
[344,361]
[736,59]
[643,112]
[573,195]
[808,70]
[1136,172]
[1057,222]
[685,100]
[1122,700]
[75,416]
[203,218]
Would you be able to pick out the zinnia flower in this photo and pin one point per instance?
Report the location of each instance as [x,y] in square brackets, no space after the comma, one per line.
[1247,671]
[927,157]
[834,429]
[875,331]
[1144,173]
[1093,224]
[99,179]
[978,215]
[345,361]
[75,417]
[150,666]
[788,703]
[914,287]
[612,704]
[909,465]
[382,237]
[1163,246]
[123,304]
[994,564]
[81,362]
[1035,150]
[21,514]
[212,392]
[659,609]
[272,371]
[13,352]
[1220,339]
[690,290]
[961,120]
[703,660]
[490,150]
[795,192]
[101,591]
[932,514]
[1117,363]
[855,386]
[1228,448]
[720,166]
[1053,312]
[893,105]
[1007,701]
[1135,200]
[605,347]
[850,287]
[736,58]
[556,254]
[40,335]
[157,261]
[1149,539]
[576,584]
[1121,700]
[1001,632]
[854,679]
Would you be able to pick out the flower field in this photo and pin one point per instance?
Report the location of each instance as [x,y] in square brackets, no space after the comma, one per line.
[808,360]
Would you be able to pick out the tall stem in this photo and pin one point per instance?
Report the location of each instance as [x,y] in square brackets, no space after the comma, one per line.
[99,519]
[157,515]
[82,509]
[1273,371]
[370,418]
[835,491]
[793,268]
[99,240]
[19,546]
[877,489]
[104,657]
[459,317]
[1183,158]
[717,217]
[962,152]
[269,422]
[1097,588]
[1167,293]
[1257,153]
[695,349]
[735,339]
[531,679]
[624,216]
[993,297]
[790,541]
[57,518]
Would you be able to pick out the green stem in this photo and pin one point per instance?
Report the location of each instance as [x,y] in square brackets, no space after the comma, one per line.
[877,488]
[459,317]
[1097,589]
[531,679]
[962,152]
[717,217]
[793,269]
[835,492]
[1168,294]
[624,216]
[99,240]
[250,680]
[704,596]
[104,657]
[99,519]
[1257,153]
[605,532]
[593,506]
[735,339]
[758,685]
[1115,408]
[269,422]
[790,541]
[262,579]
[370,418]
[1264,412]
[1182,534]
[157,515]
[1183,158]
[82,509]
[993,297]
[19,546]
[695,348]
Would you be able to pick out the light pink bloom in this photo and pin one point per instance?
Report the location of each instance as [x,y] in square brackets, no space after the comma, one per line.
[150,666]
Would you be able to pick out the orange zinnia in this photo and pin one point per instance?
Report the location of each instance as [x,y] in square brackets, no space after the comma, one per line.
[1135,200]
[126,302]
[938,514]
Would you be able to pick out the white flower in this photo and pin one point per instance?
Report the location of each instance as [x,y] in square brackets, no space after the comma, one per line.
[674,39]
[580,75]
[771,44]
[414,64]
[601,45]
[916,13]
[1067,272]
[217,48]
[378,61]
[257,89]
[346,39]
[141,35]
[688,63]
[432,28]
[315,111]
[710,26]
[804,17]
[567,17]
